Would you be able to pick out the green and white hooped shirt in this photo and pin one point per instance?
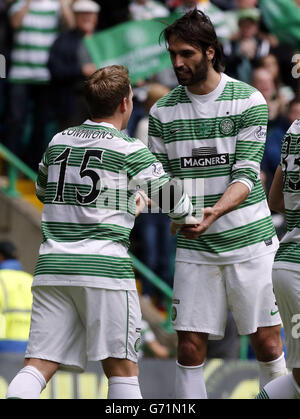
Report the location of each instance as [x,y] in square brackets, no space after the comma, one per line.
[88,180]
[220,138]
[288,255]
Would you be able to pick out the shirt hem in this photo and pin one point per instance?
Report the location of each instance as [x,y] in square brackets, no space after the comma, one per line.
[131,285]
[219,261]
[290,266]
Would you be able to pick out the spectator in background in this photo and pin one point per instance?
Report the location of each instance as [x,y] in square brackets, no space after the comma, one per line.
[284,54]
[36,25]
[147,9]
[232,16]
[263,81]
[242,52]
[15,300]
[70,64]
[8,257]
[271,64]
[283,51]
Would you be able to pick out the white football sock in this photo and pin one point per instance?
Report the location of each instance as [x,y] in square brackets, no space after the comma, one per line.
[27,384]
[284,387]
[268,371]
[124,388]
[189,382]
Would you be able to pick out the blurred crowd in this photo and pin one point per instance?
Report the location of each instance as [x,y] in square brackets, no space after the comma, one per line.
[47,63]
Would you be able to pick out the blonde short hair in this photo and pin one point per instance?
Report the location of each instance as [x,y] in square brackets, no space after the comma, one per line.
[105,90]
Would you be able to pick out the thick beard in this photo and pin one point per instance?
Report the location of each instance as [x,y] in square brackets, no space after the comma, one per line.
[199,75]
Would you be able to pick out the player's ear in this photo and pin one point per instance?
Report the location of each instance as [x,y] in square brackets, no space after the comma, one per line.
[210,53]
[124,104]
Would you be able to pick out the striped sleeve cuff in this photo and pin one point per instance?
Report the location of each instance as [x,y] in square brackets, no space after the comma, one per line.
[182,211]
[246,182]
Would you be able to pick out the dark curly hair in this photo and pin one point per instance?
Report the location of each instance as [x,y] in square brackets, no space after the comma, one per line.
[196,29]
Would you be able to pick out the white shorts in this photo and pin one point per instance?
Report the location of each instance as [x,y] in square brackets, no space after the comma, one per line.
[203,294]
[287,290]
[71,325]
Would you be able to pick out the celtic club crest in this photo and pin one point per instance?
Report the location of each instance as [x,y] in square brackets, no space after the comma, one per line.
[226,126]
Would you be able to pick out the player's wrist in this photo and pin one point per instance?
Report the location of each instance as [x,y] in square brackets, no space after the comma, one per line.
[216,212]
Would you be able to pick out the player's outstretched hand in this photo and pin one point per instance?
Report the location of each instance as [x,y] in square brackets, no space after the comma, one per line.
[194,231]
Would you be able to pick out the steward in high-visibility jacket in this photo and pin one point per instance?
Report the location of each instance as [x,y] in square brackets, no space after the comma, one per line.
[15,304]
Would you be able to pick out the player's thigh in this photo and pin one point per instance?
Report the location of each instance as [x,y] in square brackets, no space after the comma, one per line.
[250,294]
[56,330]
[113,324]
[199,299]
[287,290]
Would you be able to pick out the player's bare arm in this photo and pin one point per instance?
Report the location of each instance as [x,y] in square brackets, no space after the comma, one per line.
[276,199]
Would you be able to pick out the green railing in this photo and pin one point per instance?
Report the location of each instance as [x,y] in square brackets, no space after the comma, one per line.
[244,344]
[15,165]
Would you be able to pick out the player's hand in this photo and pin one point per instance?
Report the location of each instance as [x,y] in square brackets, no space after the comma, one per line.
[191,221]
[194,231]
[141,201]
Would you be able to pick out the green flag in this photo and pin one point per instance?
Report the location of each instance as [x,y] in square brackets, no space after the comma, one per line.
[134,44]
[282,18]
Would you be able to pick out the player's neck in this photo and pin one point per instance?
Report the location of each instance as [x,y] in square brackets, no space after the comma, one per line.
[114,120]
[209,85]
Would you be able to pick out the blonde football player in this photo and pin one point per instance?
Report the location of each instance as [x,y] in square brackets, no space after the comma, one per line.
[85,302]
